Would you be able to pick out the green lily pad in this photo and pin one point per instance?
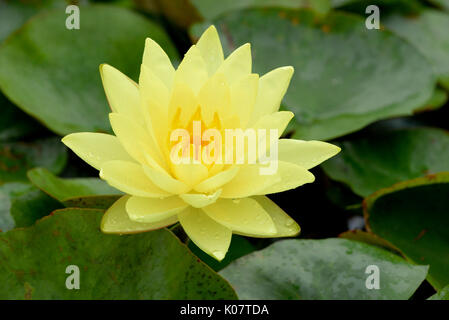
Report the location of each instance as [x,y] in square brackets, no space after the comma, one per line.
[346,76]
[413,216]
[340,3]
[16,158]
[438,99]
[8,192]
[379,161]
[369,238]
[386,7]
[51,72]
[14,13]
[180,12]
[212,9]
[152,265]
[75,192]
[30,206]
[21,205]
[322,269]
[443,294]
[93,202]
[444,4]
[428,33]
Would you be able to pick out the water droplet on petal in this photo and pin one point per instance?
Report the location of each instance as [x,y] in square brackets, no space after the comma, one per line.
[219,254]
[289,223]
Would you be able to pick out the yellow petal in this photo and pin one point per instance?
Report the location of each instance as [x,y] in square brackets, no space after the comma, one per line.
[290,176]
[272,88]
[243,97]
[216,167]
[306,154]
[116,220]
[238,64]
[243,216]
[191,173]
[215,97]
[248,182]
[152,87]
[150,210]
[154,103]
[192,70]
[285,226]
[155,58]
[130,178]
[165,182]
[199,200]
[183,104]
[96,148]
[213,183]
[210,47]
[136,141]
[278,121]
[210,236]
[122,93]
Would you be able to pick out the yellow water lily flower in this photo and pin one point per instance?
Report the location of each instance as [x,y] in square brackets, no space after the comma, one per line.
[210,200]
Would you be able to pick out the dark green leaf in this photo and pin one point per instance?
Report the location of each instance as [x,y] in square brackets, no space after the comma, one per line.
[413,216]
[152,265]
[368,238]
[93,202]
[16,158]
[14,13]
[438,99]
[441,3]
[212,9]
[75,192]
[386,7]
[180,12]
[21,205]
[52,72]
[379,161]
[8,192]
[30,206]
[322,269]
[443,294]
[429,33]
